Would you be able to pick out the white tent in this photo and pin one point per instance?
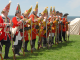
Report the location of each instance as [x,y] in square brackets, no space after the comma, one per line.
[75,26]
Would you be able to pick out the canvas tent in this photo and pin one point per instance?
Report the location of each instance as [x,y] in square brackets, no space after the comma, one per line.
[75,26]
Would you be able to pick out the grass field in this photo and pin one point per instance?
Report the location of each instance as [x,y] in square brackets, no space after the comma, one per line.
[63,51]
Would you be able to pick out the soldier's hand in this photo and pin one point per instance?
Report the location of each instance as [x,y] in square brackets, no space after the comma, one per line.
[23,19]
[10,24]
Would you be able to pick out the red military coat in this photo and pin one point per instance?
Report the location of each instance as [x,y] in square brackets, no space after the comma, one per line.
[16,23]
[34,32]
[65,25]
[4,29]
[53,25]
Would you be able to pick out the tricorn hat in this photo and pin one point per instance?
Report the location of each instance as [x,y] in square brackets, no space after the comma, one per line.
[66,14]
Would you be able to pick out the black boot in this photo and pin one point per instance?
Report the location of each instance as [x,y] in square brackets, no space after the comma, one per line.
[49,39]
[16,50]
[20,45]
[44,42]
[33,43]
[63,34]
[52,42]
[26,43]
[7,50]
[1,45]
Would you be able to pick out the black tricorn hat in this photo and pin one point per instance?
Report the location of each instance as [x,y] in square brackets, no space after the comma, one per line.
[66,14]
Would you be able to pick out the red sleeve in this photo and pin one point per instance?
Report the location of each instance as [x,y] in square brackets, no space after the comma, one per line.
[15,22]
[21,17]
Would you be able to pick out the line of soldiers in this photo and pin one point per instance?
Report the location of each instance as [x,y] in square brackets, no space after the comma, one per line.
[22,26]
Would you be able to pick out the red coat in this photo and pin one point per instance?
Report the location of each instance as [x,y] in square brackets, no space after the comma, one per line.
[34,32]
[16,23]
[65,25]
[53,25]
[3,34]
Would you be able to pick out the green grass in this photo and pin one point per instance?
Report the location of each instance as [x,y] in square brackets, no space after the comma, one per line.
[63,51]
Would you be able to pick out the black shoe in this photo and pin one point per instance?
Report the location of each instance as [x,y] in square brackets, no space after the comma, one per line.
[64,40]
[26,50]
[6,58]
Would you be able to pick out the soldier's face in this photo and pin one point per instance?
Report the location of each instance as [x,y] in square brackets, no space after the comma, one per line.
[65,16]
[19,14]
[5,13]
[61,15]
[26,15]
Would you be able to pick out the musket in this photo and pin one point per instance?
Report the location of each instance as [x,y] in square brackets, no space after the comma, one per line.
[58,29]
[51,25]
[56,33]
[13,48]
[1,52]
[31,36]
[14,58]
[39,38]
[23,40]
[46,35]
[51,29]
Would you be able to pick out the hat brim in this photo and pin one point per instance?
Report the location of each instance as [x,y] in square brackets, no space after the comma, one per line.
[66,14]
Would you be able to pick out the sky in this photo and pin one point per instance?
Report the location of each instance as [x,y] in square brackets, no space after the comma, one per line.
[72,7]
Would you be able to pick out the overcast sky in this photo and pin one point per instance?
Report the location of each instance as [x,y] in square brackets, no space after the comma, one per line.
[66,6]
